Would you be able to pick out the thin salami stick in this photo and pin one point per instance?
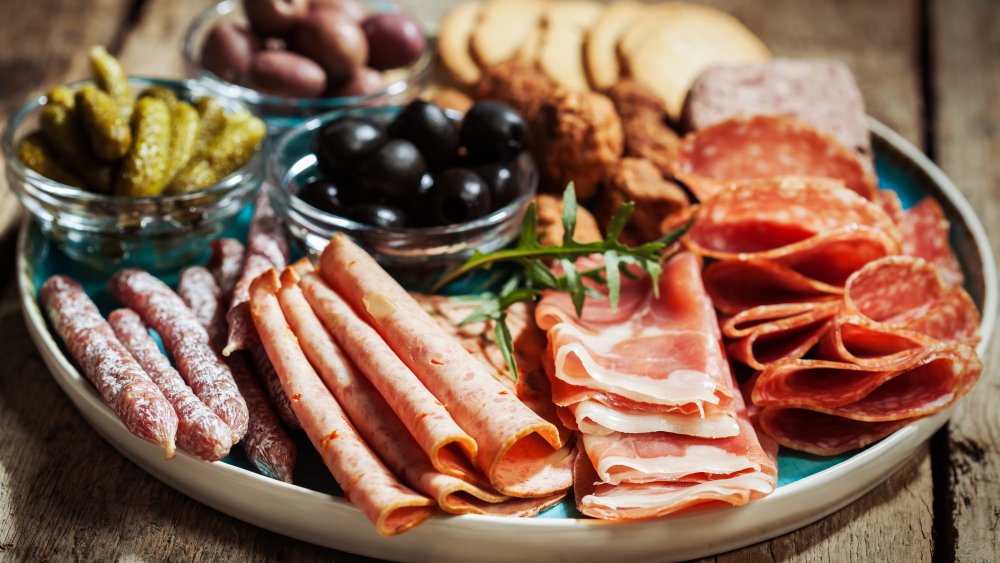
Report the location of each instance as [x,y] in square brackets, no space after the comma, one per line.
[268,447]
[226,264]
[267,236]
[108,365]
[200,431]
[366,481]
[186,341]
[269,380]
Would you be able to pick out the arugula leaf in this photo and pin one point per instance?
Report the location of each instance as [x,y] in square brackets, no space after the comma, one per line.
[569,214]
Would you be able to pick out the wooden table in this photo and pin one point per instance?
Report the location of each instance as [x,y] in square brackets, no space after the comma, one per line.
[930,69]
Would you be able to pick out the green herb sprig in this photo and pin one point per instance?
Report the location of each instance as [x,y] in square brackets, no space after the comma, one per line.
[535,275]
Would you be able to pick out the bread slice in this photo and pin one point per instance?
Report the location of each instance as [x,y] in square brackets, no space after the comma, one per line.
[504,26]
[680,43]
[600,50]
[566,27]
[453,42]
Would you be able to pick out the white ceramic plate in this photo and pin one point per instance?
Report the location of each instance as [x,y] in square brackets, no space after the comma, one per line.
[330,521]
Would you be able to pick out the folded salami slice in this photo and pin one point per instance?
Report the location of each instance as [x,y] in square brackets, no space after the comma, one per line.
[739,285]
[448,446]
[107,364]
[518,450]
[822,434]
[744,148]
[366,481]
[925,235]
[383,430]
[768,334]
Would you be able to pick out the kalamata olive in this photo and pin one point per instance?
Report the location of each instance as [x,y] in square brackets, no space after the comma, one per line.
[228,52]
[503,183]
[393,170]
[394,40]
[493,132]
[343,142]
[425,125]
[351,8]
[284,73]
[333,40]
[365,82]
[327,195]
[275,17]
[459,195]
[378,215]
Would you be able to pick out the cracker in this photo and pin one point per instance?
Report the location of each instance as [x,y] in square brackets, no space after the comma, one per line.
[600,54]
[504,26]
[561,55]
[453,42]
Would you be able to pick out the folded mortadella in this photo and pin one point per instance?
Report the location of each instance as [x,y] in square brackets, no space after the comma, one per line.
[518,450]
[382,430]
[366,481]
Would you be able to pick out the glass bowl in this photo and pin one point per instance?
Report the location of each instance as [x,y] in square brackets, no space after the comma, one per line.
[109,232]
[416,257]
[281,113]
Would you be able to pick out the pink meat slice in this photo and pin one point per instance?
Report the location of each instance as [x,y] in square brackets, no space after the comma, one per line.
[738,285]
[366,481]
[520,452]
[822,434]
[925,235]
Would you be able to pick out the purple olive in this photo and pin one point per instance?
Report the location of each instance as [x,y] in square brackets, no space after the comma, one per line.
[334,41]
[228,52]
[394,40]
[275,18]
[350,8]
[365,82]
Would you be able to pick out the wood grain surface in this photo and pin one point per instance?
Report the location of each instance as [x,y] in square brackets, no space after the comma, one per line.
[930,70]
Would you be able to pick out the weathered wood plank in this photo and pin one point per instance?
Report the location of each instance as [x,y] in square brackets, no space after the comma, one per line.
[153,45]
[965,41]
[44,42]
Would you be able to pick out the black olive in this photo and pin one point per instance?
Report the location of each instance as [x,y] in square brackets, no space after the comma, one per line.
[504,184]
[344,142]
[416,206]
[392,171]
[326,195]
[426,126]
[459,195]
[376,215]
[493,132]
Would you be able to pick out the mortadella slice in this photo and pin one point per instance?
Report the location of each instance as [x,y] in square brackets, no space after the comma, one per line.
[519,451]
[366,481]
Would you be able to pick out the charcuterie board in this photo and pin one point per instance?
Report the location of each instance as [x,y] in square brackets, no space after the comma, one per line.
[809,487]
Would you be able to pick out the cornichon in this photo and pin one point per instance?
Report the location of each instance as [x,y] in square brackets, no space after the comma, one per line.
[111,77]
[213,120]
[61,95]
[35,153]
[145,168]
[161,92]
[64,135]
[185,124]
[109,132]
[242,134]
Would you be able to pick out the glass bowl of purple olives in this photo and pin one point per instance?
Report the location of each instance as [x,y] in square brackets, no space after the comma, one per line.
[290,60]
[419,187]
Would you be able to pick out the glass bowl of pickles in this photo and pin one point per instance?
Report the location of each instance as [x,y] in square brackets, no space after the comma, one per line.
[129,171]
[291,60]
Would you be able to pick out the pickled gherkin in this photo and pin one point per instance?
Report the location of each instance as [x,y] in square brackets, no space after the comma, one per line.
[35,153]
[64,135]
[109,132]
[234,146]
[185,124]
[61,95]
[213,120]
[161,92]
[145,168]
[111,77]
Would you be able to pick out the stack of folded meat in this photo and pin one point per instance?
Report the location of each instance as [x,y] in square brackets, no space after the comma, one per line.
[662,424]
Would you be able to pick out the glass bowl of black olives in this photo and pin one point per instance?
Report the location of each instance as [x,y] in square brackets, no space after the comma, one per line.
[419,187]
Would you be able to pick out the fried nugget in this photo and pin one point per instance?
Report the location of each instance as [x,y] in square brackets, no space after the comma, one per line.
[550,229]
[638,180]
[517,83]
[647,134]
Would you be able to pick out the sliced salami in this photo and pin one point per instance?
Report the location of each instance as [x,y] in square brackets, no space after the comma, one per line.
[925,235]
[765,335]
[760,146]
[739,285]
[107,364]
[822,434]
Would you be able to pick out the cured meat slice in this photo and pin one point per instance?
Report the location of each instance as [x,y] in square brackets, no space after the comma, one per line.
[925,235]
[200,431]
[759,341]
[822,434]
[859,340]
[661,350]
[366,481]
[186,341]
[921,382]
[519,451]
[107,364]
[744,148]
[382,430]
[893,207]
[427,420]
[596,419]
[739,285]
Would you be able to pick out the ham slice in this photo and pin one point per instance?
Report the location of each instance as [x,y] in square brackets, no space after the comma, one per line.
[366,481]
[382,429]
[521,453]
